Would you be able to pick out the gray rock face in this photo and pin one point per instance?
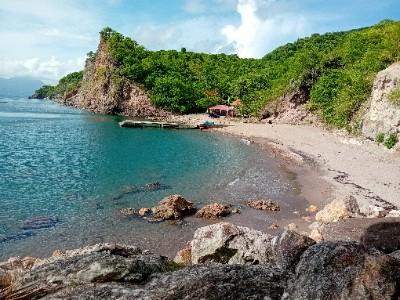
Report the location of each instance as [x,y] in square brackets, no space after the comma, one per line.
[288,247]
[230,244]
[96,264]
[197,282]
[344,270]
[383,116]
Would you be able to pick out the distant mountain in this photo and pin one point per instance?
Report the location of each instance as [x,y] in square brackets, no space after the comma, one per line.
[18,86]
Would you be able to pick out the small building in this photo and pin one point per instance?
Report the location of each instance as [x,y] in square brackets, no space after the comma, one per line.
[221,110]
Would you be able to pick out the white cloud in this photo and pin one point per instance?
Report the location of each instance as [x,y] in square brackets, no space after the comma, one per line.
[46,70]
[195,6]
[200,34]
[263,27]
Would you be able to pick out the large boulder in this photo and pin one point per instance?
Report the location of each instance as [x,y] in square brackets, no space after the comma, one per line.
[382,115]
[230,244]
[341,208]
[96,264]
[344,270]
[173,207]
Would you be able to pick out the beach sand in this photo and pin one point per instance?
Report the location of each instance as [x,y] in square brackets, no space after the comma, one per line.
[349,165]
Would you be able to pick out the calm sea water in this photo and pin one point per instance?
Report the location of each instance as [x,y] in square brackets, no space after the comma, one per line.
[79,169]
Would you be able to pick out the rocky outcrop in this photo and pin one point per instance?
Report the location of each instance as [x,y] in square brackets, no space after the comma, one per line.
[296,268]
[213,211]
[102,92]
[173,207]
[341,208]
[382,115]
[344,270]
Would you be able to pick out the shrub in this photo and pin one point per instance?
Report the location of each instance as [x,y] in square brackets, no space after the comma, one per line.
[394,96]
[391,140]
[380,138]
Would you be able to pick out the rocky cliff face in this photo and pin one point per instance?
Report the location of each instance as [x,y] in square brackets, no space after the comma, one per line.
[382,115]
[101,93]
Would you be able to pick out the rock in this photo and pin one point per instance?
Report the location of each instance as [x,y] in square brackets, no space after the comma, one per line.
[196,282]
[376,212]
[274,226]
[236,211]
[266,205]
[344,270]
[144,211]
[311,209]
[291,226]
[396,255]
[153,186]
[382,236]
[184,256]
[5,279]
[382,115]
[288,247]
[393,214]
[58,253]
[230,244]
[126,212]
[39,223]
[338,209]
[96,264]
[173,207]
[213,211]
[316,235]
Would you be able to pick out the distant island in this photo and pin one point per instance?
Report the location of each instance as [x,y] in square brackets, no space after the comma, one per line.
[18,86]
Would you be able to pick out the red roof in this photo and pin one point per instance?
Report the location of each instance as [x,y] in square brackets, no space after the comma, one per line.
[221,107]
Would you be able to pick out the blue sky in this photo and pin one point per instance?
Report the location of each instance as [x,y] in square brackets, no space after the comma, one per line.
[46,39]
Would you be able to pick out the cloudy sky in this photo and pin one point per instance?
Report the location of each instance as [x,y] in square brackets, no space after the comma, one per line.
[46,39]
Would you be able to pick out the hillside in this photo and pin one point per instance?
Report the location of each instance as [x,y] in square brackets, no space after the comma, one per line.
[18,86]
[330,75]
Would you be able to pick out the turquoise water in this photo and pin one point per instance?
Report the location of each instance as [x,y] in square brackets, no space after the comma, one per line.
[78,169]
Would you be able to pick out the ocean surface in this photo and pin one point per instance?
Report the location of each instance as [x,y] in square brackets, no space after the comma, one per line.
[65,174]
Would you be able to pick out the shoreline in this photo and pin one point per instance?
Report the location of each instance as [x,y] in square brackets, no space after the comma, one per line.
[350,165]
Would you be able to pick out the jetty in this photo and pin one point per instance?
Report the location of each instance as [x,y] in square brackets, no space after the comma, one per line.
[156,124]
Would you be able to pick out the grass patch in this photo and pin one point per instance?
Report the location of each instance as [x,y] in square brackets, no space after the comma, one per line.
[394,96]
[391,140]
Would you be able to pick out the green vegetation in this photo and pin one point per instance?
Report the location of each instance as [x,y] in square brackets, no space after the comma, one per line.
[335,72]
[391,140]
[380,138]
[67,85]
[394,96]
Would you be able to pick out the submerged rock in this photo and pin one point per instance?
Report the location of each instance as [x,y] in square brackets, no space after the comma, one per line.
[39,223]
[342,208]
[213,211]
[127,212]
[266,205]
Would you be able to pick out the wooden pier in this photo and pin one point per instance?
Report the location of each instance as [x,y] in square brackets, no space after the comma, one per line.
[144,124]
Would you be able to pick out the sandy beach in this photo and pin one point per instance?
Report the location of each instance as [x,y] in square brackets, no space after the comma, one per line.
[349,165]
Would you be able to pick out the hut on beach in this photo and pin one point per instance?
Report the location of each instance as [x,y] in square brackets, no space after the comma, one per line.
[221,110]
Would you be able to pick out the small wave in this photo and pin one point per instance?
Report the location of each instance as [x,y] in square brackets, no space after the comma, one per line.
[234,182]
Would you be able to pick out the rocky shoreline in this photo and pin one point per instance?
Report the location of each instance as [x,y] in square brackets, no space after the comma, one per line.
[224,262]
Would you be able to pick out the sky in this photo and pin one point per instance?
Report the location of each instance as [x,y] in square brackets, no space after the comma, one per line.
[47,39]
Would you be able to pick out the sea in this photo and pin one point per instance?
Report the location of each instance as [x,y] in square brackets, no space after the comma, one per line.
[65,174]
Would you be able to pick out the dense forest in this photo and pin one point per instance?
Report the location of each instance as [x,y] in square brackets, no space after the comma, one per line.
[336,70]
